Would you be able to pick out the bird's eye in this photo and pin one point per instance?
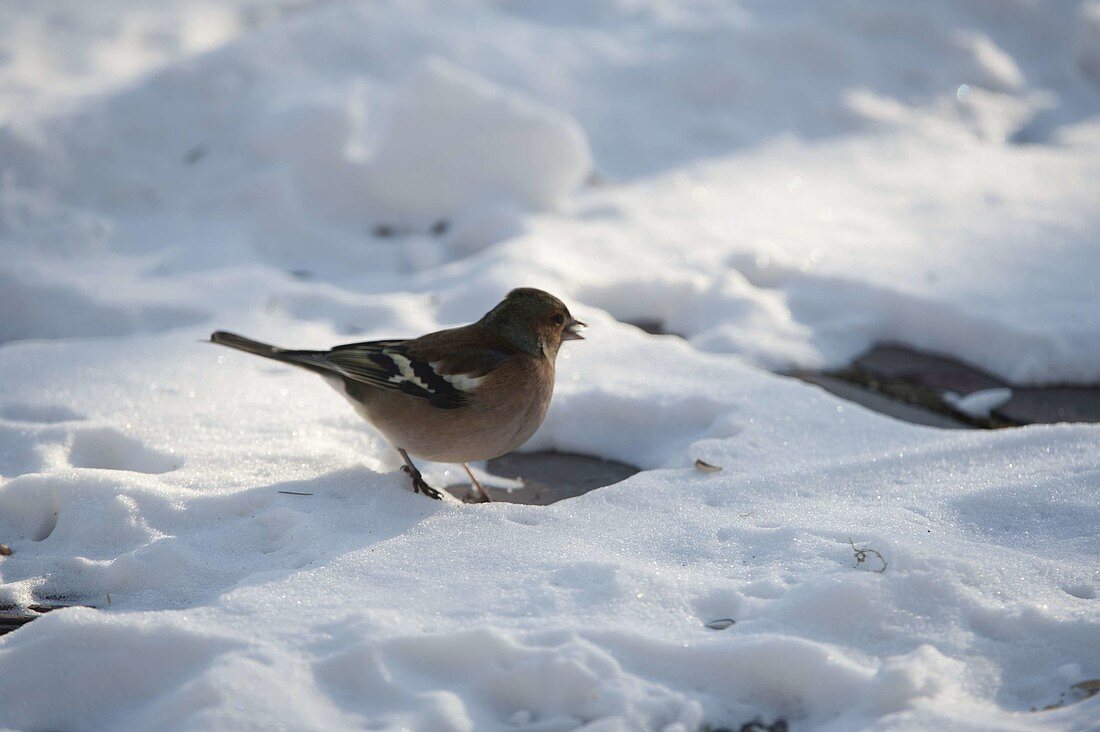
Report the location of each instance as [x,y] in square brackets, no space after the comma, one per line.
[559,319]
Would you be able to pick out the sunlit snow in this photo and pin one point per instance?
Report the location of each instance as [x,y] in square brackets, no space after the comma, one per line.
[778,185]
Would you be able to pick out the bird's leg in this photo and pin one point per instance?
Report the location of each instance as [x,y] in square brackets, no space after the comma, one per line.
[483,497]
[418,480]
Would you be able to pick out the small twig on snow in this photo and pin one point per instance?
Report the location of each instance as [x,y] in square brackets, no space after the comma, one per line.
[861,556]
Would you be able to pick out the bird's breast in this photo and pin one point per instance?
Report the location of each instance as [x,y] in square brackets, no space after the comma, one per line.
[501,412]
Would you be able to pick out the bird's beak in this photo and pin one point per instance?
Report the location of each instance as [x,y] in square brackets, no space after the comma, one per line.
[570,333]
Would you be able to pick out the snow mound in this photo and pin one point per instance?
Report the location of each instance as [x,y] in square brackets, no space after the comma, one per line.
[453,145]
[455,142]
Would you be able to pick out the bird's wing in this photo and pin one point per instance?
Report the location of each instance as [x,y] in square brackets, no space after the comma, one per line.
[428,370]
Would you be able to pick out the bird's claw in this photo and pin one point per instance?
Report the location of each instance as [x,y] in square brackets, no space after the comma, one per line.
[420,486]
[429,491]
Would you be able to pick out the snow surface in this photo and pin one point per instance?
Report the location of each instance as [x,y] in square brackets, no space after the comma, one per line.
[781,184]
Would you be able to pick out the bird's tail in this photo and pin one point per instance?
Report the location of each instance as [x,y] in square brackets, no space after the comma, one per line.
[312,360]
[245,344]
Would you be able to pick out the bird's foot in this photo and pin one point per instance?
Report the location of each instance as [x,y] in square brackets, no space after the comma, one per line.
[482,496]
[420,486]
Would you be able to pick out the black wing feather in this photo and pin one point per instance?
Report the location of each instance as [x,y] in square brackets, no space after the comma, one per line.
[388,365]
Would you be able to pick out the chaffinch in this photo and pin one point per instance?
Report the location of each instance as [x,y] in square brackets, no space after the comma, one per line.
[454,396]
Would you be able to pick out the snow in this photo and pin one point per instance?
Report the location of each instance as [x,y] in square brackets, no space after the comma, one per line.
[781,186]
[981,403]
[456,143]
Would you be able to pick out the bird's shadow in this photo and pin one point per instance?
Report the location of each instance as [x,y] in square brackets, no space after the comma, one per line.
[313,521]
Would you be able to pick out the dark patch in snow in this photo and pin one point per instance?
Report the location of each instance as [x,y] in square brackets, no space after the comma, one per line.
[653,326]
[194,155]
[13,618]
[925,388]
[779,725]
[549,477]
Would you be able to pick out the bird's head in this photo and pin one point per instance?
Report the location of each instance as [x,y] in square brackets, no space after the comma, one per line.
[534,320]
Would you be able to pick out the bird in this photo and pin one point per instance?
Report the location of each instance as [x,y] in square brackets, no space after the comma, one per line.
[459,395]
